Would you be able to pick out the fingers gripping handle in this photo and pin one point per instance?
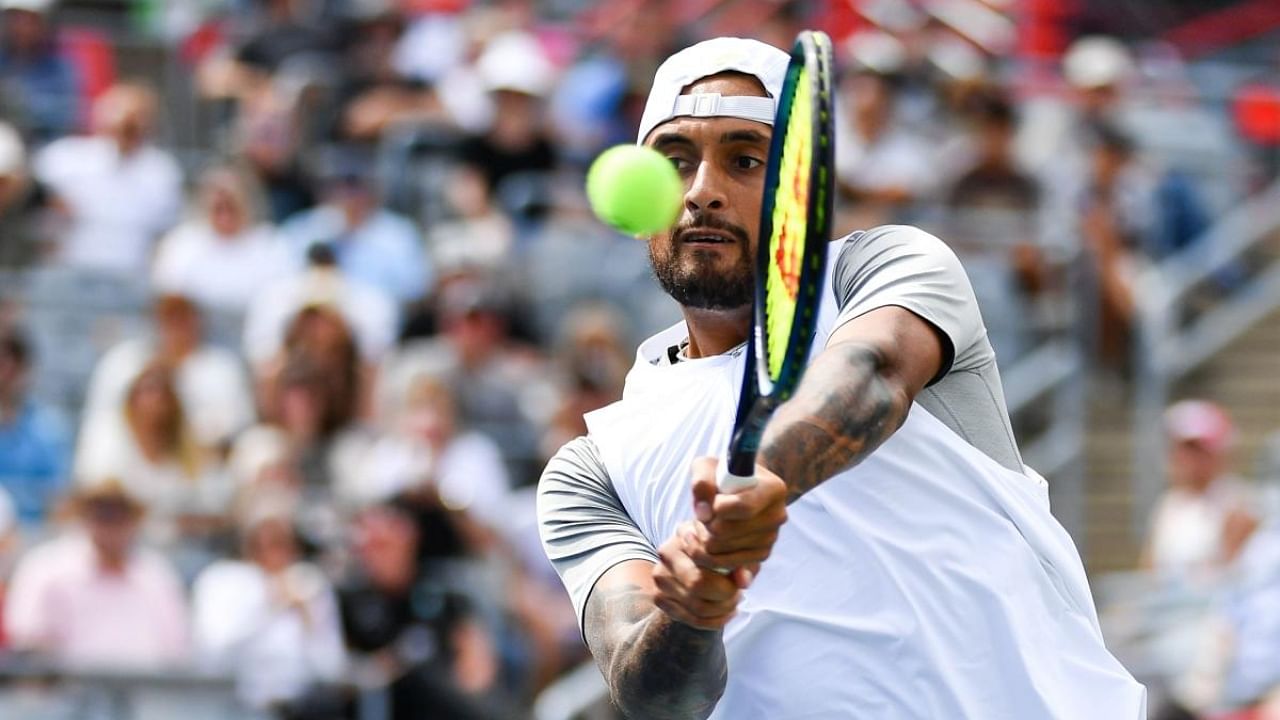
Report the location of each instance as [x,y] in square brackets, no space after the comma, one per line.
[727,482]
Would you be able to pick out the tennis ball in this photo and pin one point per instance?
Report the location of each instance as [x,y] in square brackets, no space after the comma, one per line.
[635,189]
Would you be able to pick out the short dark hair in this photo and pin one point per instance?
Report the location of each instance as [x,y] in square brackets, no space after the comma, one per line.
[14,344]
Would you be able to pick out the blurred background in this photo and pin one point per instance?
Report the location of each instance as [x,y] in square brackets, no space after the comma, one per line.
[297,296]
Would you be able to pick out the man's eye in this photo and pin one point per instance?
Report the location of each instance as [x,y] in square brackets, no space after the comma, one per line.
[746,162]
[680,163]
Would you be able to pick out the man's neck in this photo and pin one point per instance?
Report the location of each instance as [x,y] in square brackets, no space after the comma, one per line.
[715,332]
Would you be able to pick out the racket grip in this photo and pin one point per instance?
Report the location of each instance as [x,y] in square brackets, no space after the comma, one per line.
[727,482]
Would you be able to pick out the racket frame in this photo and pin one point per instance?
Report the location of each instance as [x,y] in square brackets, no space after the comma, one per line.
[762,394]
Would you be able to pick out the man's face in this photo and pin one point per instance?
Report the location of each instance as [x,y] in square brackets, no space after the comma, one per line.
[706,261]
[112,525]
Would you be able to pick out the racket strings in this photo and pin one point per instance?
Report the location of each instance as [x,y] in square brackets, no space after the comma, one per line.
[789,226]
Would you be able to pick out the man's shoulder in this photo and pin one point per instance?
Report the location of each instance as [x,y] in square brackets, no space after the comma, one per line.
[576,470]
[577,460]
[893,249]
[891,235]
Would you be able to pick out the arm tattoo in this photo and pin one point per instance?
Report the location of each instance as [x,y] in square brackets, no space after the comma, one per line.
[655,667]
[845,407]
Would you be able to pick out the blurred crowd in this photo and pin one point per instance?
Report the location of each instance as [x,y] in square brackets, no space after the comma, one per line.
[375,303]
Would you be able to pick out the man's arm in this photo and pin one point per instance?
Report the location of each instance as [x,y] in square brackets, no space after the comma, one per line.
[652,617]
[654,665]
[854,395]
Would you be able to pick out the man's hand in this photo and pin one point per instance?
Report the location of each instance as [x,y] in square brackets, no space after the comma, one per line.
[697,596]
[735,531]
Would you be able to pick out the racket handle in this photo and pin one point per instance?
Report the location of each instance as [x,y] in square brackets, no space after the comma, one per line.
[727,482]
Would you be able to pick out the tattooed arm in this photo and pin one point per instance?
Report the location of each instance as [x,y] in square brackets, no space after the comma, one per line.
[854,395]
[658,666]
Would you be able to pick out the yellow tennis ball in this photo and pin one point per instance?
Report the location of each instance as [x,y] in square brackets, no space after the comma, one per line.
[635,189]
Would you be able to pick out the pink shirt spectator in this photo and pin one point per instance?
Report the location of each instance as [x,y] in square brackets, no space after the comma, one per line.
[62,603]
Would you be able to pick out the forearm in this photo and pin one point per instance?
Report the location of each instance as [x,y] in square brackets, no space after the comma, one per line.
[655,667]
[847,405]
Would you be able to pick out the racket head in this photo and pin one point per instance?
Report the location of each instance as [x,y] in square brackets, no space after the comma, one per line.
[791,253]
[795,220]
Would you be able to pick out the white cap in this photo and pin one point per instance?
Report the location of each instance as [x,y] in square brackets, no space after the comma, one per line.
[765,62]
[13,157]
[35,6]
[1096,61]
[515,61]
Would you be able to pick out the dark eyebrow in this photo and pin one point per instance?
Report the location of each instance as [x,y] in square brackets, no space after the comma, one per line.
[668,139]
[748,136]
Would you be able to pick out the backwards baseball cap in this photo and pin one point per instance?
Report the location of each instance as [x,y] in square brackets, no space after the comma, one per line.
[764,62]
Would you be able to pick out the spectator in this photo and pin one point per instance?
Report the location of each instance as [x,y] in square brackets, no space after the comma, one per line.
[267,134]
[276,33]
[211,381]
[289,29]
[369,312]
[481,238]
[373,245]
[380,95]
[225,254]
[437,658]
[502,387]
[271,618]
[93,597]
[994,210]
[35,448]
[148,447]
[118,191]
[1116,218]
[35,72]
[307,445]
[880,165]
[1098,71]
[593,363]
[430,455]
[320,335]
[1204,518]
[517,76]
[19,198]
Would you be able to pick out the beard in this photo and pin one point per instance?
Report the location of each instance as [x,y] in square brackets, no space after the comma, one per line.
[691,276]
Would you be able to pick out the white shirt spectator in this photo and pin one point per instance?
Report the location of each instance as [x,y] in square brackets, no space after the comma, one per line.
[896,159]
[62,602]
[1187,527]
[372,315]
[108,449]
[118,205]
[217,271]
[241,624]
[468,475]
[211,382]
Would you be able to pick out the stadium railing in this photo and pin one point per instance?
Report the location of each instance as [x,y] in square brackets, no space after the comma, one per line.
[36,690]
[1185,318]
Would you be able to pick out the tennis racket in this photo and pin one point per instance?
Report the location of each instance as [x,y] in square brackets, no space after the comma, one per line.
[795,227]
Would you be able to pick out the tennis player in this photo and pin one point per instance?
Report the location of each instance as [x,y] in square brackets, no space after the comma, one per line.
[896,560]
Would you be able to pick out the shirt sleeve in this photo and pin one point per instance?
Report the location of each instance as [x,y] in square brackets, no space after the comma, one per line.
[909,268]
[585,529]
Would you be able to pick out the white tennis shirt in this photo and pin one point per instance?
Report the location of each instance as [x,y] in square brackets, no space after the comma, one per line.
[928,582]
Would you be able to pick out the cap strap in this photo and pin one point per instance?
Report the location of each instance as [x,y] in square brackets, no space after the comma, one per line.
[747,107]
